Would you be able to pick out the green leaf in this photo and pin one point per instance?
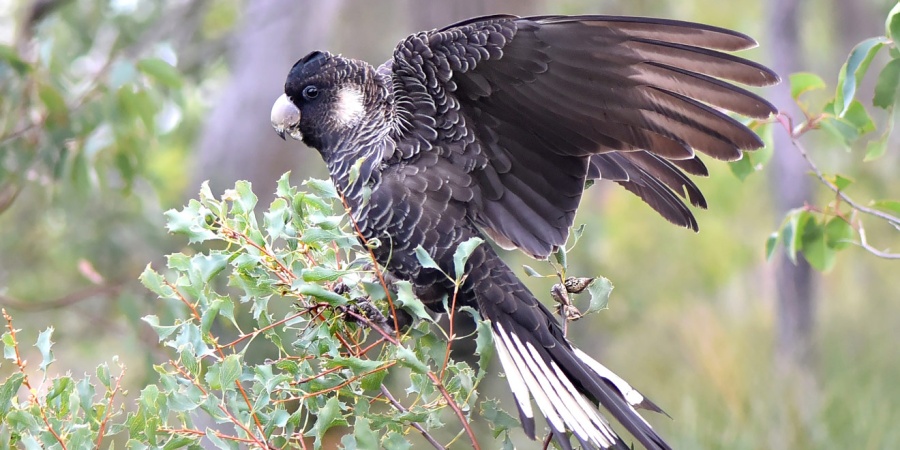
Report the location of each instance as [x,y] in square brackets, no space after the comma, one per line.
[462,253]
[320,293]
[208,317]
[425,259]
[103,375]
[815,250]
[137,103]
[318,274]
[356,365]
[354,170]
[842,129]
[8,390]
[10,56]
[190,221]
[771,245]
[225,444]
[838,233]
[209,265]
[877,148]
[857,116]
[230,371]
[484,343]
[373,381]
[839,181]
[163,331]
[854,70]
[803,82]
[155,282]
[189,361]
[742,168]
[322,188]
[246,200]
[44,345]
[275,219]
[180,442]
[86,392]
[886,86]
[892,206]
[531,272]
[600,289]
[365,438]
[58,387]
[284,188]
[892,23]
[792,232]
[409,302]
[160,71]
[395,441]
[408,358]
[561,258]
[498,419]
[327,417]
[54,102]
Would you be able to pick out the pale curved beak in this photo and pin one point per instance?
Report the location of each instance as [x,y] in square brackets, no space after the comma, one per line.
[286,118]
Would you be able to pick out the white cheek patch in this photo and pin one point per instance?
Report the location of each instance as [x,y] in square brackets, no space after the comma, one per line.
[349,107]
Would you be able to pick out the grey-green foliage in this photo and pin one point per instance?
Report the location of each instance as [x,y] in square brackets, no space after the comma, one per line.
[330,360]
[818,232]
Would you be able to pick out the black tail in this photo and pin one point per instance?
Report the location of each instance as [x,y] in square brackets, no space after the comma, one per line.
[565,383]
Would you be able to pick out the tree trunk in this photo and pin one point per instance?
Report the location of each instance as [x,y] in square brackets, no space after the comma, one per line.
[791,188]
[237,142]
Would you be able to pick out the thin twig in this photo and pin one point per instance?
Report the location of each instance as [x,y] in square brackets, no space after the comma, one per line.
[346,382]
[451,319]
[21,365]
[240,387]
[64,301]
[109,406]
[264,329]
[455,408]
[365,243]
[434,379]
[785,121]
[218,434]
[428,437]
[865,245]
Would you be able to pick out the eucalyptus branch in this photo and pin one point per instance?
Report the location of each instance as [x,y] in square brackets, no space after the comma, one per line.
[399,406]
[434,379]
[795,134]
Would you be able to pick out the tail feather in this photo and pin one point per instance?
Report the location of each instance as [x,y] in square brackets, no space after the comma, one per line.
[566,384]
[629,394]
[564,407]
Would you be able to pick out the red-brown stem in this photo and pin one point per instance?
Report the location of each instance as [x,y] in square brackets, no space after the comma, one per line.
[21,364]
[387,292]
[201,433]
[109,406]
[452,318]
[339,386]
[240,387]
[455,408]
[434,379]
[263,329]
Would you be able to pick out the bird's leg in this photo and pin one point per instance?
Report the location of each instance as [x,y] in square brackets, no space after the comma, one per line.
[560,293]
[364,306]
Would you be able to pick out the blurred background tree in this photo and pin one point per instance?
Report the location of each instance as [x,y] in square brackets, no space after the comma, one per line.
[115,111]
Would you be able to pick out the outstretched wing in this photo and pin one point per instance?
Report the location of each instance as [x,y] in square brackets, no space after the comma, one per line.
[529,108]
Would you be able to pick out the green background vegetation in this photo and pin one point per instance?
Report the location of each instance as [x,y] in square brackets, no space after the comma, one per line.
[103,106]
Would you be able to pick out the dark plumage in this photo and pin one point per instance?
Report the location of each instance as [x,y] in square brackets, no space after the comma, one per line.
[491,126]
